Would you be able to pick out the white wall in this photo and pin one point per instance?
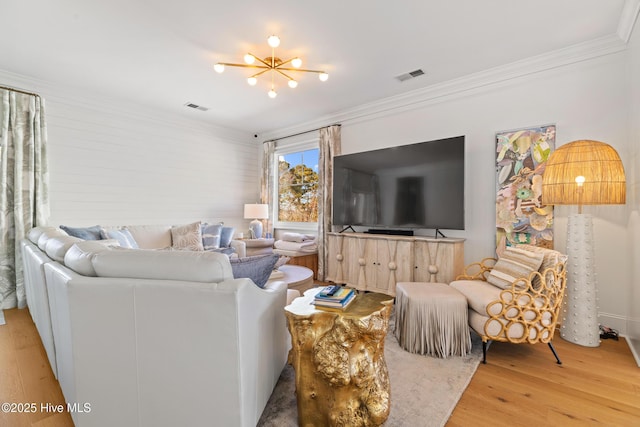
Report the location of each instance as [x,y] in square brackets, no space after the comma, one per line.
[633,195]
[113,163]
[586,100]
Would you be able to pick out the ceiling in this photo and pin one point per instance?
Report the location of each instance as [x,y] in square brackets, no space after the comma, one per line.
[160,53]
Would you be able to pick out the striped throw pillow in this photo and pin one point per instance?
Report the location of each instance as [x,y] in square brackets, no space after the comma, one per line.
[514,264]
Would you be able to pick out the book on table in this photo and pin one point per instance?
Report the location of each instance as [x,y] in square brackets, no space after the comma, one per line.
[332,297]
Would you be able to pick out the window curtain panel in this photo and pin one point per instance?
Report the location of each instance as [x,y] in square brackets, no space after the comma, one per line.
[24,186]
[266,182]
[330,146]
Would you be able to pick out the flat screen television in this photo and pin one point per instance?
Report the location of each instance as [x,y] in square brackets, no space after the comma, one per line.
[404,187]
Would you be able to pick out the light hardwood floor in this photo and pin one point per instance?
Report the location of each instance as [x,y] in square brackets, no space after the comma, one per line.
[520,386]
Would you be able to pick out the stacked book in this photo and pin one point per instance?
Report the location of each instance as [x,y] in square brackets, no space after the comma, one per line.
[334,297]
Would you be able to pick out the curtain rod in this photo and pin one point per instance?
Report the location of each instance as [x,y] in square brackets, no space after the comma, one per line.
[18,90]
[300,133]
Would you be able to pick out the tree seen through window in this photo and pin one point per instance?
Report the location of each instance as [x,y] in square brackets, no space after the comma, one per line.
[298,186]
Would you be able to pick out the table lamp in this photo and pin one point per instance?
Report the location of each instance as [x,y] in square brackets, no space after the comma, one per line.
[257,212]
[582,173]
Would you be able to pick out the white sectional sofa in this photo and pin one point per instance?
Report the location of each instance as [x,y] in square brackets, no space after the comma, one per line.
[146,337]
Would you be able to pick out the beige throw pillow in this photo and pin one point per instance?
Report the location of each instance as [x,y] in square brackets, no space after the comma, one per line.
[512,265]
[187,237]
[551,259]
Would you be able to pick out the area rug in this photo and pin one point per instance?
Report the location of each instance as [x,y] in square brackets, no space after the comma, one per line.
[424,389]
[2,322]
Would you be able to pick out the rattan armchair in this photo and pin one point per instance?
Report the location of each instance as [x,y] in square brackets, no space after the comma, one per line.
[526,312]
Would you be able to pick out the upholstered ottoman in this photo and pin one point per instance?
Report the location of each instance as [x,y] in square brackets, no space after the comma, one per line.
[431,319]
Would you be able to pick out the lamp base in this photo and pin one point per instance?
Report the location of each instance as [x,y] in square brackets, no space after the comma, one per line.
[580,308]
[256,229]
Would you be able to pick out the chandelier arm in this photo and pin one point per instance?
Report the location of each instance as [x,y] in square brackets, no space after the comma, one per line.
[286,62]
[261,72]
[280,72]
[243,65]
[261,60]
[300,69]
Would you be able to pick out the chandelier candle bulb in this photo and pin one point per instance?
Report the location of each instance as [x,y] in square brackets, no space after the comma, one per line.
[273,41]
[249,59]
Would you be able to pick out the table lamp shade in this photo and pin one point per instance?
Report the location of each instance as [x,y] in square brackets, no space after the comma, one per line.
[604,181]
[257,212]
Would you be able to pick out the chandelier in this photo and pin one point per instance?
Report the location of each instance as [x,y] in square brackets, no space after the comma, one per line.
[273,65]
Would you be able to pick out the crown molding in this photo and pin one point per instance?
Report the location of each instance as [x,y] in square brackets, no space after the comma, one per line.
[628,18]
[76,98]
[464,86]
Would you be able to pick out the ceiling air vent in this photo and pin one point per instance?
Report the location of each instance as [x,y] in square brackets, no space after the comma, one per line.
[410,75]
[195,106]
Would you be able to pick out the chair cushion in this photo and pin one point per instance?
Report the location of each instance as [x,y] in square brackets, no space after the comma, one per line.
[514,263]
[479,294]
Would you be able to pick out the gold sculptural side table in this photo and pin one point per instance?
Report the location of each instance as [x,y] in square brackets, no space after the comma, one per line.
[338,357]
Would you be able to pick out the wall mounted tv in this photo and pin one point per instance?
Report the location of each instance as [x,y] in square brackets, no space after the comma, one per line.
[404,187]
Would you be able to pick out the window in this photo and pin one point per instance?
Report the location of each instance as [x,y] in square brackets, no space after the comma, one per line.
[297,187]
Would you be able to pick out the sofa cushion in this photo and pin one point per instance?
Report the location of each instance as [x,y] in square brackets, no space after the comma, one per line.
[85,233]
[151,236]
[187,237]
[256,268]
[78,257]
[48,234]
[35,233]
[514,263]
[57,247]
[211,236]
[163,265]
[123,236]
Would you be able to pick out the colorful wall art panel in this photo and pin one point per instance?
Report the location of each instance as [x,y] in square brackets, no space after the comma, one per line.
[520,159]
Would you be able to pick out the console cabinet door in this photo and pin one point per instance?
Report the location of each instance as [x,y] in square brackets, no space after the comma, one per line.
[438,261]
[343,266]
[335,258]
[392,263]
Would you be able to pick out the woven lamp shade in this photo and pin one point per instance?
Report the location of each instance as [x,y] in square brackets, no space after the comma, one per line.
[597,162]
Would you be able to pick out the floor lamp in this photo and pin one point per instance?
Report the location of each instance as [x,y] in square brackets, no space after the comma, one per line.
[582,173]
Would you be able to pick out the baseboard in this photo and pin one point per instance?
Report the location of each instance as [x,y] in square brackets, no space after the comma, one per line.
[634,346]
[614,321]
